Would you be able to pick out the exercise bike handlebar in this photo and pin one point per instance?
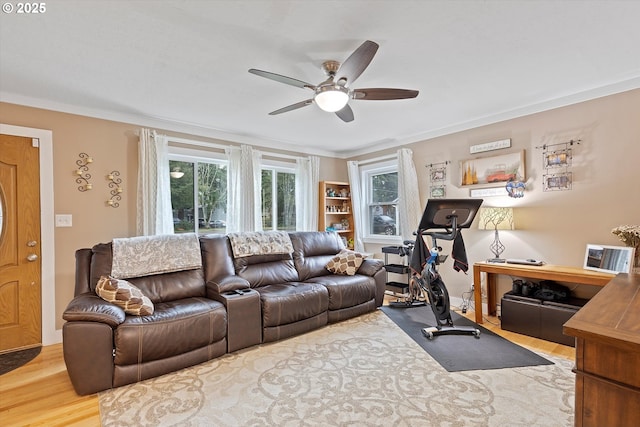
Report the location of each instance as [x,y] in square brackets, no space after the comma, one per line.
[451,233]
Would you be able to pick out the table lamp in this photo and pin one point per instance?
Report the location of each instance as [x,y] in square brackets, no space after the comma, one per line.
[496,219]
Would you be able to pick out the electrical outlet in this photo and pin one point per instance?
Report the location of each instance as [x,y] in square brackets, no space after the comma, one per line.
[65,220]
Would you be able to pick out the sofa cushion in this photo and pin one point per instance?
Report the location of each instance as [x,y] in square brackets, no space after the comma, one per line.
[159,287]
[346,262]
[217,259]
[291,302]
[347,291]
[262,270]
[176,327]
[124,295]
[312,250]
[172,286]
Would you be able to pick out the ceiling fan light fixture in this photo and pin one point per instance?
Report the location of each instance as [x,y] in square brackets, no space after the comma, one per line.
[333,94]
[331,98]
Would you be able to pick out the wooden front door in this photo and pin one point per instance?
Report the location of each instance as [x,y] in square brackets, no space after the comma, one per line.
[20,267]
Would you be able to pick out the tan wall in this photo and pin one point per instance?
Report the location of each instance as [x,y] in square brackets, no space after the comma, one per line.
[113,146]
[555,225]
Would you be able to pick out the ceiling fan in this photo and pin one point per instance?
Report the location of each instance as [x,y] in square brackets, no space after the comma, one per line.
[334,93]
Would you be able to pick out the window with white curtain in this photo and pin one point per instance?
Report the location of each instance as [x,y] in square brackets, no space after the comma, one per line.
[278,196]
[380,199]
[198,191]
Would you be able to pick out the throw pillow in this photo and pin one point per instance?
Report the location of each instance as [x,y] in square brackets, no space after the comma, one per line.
[125,295]
[346,262]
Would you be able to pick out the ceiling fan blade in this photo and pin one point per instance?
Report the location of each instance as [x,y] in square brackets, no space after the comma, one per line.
[282,79]
[346,114]
[384,94]
[355,64]
[292,107]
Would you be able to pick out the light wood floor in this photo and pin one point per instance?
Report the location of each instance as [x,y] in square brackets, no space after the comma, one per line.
[40,393]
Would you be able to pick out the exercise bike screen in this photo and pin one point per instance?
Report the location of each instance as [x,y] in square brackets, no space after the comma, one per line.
[438,213]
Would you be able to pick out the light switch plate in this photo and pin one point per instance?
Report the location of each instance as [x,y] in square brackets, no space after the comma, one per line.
[65,220]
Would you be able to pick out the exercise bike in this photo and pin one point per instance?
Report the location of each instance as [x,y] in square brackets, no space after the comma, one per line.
[450,216]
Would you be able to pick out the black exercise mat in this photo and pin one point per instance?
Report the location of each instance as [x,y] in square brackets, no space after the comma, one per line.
[462,352]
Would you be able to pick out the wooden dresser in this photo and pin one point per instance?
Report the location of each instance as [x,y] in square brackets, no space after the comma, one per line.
[607,332]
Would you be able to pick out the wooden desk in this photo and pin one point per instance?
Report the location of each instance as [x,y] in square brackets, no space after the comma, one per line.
[607,332]
[542,272]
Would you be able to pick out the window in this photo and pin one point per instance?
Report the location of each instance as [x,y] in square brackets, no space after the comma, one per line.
[198,194]
[380,197]
[278,198]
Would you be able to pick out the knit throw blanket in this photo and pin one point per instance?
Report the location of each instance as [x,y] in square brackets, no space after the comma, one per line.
[148,255]
[260,243]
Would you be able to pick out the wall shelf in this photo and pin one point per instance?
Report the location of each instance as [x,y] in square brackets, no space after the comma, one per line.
[336,213]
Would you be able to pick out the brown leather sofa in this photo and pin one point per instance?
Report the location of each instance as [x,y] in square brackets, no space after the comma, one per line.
[228,304]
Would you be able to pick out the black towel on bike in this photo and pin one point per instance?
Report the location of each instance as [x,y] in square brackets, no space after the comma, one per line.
[420,255]
[459,254]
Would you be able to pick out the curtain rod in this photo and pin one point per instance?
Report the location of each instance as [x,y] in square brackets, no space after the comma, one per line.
[197,143]
[282,156]
[223,147]
[378,159]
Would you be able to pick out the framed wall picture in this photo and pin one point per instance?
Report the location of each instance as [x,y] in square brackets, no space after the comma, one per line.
[558,158]
[492,170]
[438,174]
[437,192]
[609,259]
[557,181]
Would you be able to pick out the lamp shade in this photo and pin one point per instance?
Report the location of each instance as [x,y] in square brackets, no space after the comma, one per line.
[496,219]
[331,98]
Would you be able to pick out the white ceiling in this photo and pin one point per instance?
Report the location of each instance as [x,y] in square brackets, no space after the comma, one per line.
[182,64]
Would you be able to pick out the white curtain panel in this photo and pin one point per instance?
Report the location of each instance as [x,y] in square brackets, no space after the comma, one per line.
[255,172]
[307,183]
[244,182]
[356,202]
[154,213]
[409,205]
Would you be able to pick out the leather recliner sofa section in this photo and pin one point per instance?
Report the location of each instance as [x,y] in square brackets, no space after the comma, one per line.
[200,314]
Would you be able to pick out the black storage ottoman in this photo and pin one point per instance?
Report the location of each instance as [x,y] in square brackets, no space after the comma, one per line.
[538,318]
[553,315]
[520,314]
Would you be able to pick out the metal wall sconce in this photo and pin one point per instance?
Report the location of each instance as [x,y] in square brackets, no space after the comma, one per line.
[116,189]
[82,172]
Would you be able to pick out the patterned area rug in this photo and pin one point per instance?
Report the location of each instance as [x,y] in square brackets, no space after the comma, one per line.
[361,372]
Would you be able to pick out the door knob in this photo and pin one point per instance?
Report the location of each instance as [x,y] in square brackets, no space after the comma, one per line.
[32,243]
[32,257]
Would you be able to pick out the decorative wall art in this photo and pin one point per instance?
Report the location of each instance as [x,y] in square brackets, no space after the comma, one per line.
[116,190]
[556,160]
[485,171]
[82,172]
[490,146]
[438,179]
